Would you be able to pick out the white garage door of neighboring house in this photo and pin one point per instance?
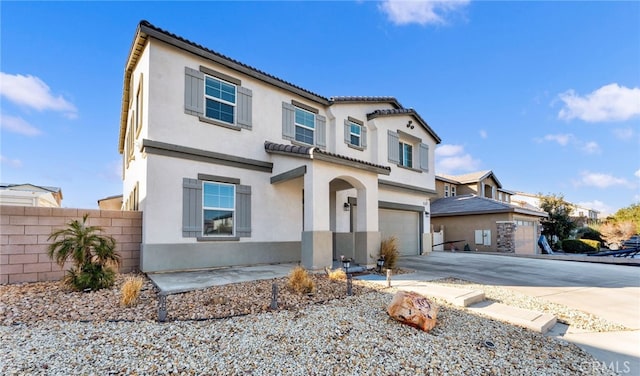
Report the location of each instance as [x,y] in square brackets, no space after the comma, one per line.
[526,238]
[405,226]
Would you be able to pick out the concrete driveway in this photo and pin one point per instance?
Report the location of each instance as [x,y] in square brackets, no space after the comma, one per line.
[610,291]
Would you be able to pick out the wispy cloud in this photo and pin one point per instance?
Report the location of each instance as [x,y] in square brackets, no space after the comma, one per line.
[15,163]
[637,173]
[422,12]
[483,134]
[588,147]
[609,103]
[32,92]
[452,159]
[601,180]
[624,134]
[561,139]
[17,125]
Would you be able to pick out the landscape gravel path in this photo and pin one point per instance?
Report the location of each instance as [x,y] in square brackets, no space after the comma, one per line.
[46,330]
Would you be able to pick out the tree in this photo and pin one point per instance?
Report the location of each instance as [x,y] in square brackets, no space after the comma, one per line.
[614,233]
[92,255]
[628,214]
[558,225]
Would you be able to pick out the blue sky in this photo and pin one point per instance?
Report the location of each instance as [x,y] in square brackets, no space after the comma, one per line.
[544,94]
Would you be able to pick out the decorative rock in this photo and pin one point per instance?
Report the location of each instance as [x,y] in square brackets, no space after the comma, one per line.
[413,309]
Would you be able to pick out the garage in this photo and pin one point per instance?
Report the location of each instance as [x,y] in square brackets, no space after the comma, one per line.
[405,225]
[525,238]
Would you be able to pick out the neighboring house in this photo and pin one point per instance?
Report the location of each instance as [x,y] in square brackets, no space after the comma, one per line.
[474,210]
[111,203]
[581,215]
[234,166]
[584,216]
[481,183]
[30,195]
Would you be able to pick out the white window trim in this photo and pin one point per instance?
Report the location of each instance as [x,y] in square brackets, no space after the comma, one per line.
[402,158]
[234,105]
[351,124]
[233,230]
[296,124]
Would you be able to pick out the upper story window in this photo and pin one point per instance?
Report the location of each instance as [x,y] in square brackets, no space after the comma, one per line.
[407,151]
[218,205]
[217,98]
[453,190]
[355,133]
[406,154]
[220,100]
[446,190]
[305,123]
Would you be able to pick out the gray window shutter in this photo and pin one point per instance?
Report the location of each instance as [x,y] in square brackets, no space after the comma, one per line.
[321,131]
[424,157]
[288,126]
[243,211]
[347,132]
[193,92]
[244,107]
[191,208]
[392,147]
[363,137]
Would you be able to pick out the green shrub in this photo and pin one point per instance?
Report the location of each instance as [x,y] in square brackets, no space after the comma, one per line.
[389,250]
[589,233]
[93,255]
[580,246]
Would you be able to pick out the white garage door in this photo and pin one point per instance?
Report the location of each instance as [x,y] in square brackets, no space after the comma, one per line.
[404,225]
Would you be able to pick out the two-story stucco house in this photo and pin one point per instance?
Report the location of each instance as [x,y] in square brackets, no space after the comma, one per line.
[233,166]
[475,212]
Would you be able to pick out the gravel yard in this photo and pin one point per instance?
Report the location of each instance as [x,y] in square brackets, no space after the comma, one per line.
[230,330]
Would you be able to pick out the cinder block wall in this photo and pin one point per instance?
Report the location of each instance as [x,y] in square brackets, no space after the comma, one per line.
[23,239]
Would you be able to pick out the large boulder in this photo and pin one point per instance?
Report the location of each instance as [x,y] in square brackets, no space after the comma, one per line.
[413,309]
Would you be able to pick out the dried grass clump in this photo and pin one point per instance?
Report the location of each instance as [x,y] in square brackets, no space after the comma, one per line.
[300,281]
[337,275]
[389,250]
[131,291]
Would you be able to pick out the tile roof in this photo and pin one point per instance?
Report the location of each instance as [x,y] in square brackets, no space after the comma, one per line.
[403,112]
[315,152]
[147,24]
[359,99]
[472,177]
[472,204]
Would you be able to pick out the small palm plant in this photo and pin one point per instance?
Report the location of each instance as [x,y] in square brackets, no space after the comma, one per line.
[92,254]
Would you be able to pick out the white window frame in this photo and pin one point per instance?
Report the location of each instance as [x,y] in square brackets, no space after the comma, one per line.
[453,190]
[402,158]
[304,126]
[205,208]
[220,100]
[358,135]
[446,190]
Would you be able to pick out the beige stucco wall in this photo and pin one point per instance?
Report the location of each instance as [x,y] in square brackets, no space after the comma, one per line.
[463,228]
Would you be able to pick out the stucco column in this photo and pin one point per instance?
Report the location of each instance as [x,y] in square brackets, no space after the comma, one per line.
[367,236]
[317,240]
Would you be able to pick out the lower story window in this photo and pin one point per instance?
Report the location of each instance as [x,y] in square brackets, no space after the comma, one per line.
[218,208]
